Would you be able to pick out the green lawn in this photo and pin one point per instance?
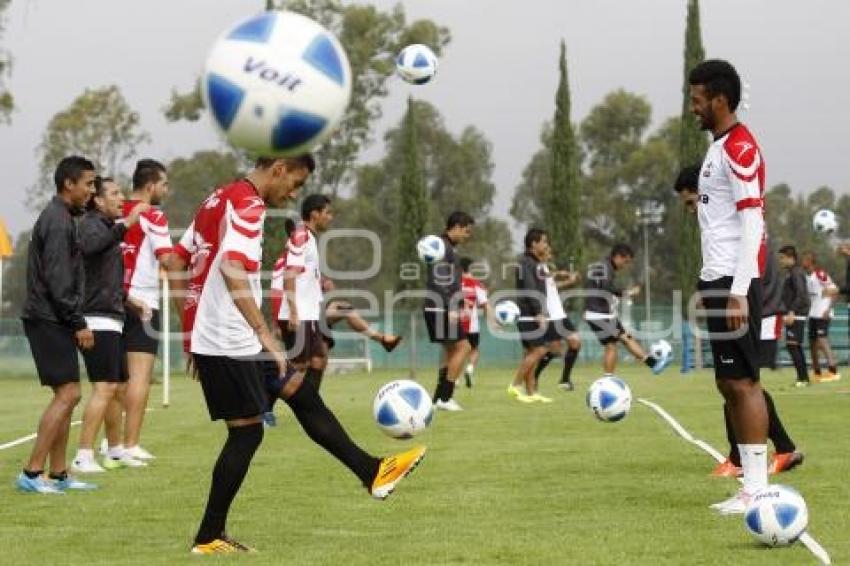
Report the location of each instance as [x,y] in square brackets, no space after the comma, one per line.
[503,483]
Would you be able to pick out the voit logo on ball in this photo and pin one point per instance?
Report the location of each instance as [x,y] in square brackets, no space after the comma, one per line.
[277,84]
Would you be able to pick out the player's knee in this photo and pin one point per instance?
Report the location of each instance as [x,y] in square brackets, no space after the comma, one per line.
[574,342]
[68,394]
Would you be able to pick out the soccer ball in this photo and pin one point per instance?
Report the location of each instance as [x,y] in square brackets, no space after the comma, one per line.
[661,349]
[276,84]
[402,409]
[416,64]
[609,398]
[824,221]
[431,249]
[507,313]
[777,515]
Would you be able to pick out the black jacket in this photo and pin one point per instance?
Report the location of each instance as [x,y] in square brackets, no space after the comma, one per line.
[601,288]
[55,269]
[772,287]
[530,286]
[795,294]
[100,241]
[444,281]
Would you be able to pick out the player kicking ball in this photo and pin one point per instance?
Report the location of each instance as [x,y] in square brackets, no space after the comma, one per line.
[600,311]
[217,285]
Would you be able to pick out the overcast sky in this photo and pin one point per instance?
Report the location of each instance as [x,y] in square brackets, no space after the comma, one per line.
[499,73]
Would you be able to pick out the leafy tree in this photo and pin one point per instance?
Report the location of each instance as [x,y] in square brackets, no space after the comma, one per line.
[413,210]
[15,276]
[693,144]
[536,181]
[100,125]
[371,38]
[562,203]
[7,102]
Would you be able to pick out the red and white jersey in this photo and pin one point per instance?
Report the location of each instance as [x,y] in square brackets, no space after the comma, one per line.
[817,282]
[732,179]
[300,259]
[474,297]
[143,245]
[228,225]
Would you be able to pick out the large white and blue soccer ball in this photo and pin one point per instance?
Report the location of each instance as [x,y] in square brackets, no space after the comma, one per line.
[661,349]
[609,398]
[825,221]
[276,84]
[777,515]
[402,409]
[416,64]
[506,312]
[431,249]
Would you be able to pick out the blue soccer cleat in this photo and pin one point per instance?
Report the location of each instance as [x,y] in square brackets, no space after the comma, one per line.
[71,483]
[36,485]
[662,363]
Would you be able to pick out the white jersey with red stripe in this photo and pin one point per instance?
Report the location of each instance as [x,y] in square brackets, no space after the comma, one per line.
[731,182]
[475,297]
[228,225]
[144,244]
[301,260]
[817,282]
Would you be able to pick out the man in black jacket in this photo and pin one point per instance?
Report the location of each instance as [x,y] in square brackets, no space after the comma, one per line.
[103,308]
[795,306]
[600,311]
[443,308]
[54,323]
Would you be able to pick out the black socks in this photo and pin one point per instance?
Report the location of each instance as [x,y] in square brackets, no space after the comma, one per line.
[445,388]
[324,429]
[314,376]
[229,471]
[782,443]
[569,361]
[542,364]
[650,361]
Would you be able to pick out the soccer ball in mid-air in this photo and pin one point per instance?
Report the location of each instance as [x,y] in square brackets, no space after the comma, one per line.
[431,249]
[276,84]
[661,349]
[777,515]
[402,409]
[824,221]
[609,398]
[506,312]
[416,64]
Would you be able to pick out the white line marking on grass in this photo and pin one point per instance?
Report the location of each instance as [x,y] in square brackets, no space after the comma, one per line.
[807,540]
[27,438]
[32,436]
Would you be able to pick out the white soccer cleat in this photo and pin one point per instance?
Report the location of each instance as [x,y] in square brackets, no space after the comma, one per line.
[451,405]
[85,466]
[138,453]
[735,505]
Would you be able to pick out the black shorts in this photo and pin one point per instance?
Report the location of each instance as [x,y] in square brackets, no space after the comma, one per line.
[531,336]
[796,331]
[234,388]
[607,330]
[442,330]
[474,339]
[107,361]
[738,357]
[54,350]
[141,336]
[819,327]
[305,343]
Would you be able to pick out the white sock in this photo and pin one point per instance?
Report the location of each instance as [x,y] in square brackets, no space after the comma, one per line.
[754,464]
[470,368]
[115,452]
[85,455]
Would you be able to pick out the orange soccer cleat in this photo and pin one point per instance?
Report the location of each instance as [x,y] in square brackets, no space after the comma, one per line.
[393,469]
[727,469]
[783,462]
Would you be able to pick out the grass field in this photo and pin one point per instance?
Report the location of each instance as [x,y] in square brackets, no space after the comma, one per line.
[503,483]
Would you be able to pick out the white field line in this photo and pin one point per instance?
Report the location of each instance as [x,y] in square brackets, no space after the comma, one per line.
[807,540]
[27,438]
